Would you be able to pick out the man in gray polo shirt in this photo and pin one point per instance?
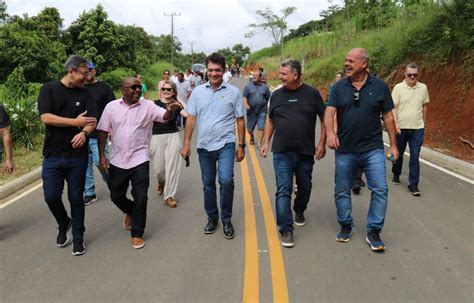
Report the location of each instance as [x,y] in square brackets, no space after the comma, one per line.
[215,107]
[256,95]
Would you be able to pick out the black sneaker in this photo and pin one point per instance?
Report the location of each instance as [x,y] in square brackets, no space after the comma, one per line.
[345,234]
[287,239]
[299,219]
[373,239]
[228,230]
[89,199]
[414,190]
[396,179]
[64,237]
[78,247]
[356,190]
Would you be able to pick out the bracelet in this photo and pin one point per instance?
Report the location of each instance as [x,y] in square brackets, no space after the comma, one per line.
[85,133]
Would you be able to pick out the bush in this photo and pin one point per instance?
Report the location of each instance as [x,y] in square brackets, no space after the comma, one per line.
[20,101]
[154,73]
[113,78]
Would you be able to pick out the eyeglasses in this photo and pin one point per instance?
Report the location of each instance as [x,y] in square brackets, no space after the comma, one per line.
[84,73]
[134,87]
[356,100]
[412,75]
[167,89]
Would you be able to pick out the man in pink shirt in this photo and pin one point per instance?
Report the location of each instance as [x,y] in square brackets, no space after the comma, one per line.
[129,121]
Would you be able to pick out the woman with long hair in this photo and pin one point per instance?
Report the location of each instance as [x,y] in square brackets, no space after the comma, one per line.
[165,146]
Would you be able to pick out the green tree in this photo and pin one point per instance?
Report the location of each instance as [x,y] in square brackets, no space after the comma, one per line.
[3,12]
[272,24]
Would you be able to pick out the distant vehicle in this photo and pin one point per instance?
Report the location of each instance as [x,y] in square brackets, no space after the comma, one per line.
[198,67]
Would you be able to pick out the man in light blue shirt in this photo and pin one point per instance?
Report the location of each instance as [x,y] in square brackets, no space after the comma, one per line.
[215,107]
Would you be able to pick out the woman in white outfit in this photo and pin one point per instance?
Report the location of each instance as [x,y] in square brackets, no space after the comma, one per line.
[165,147]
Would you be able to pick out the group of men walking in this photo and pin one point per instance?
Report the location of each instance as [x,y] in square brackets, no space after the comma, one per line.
[81,119]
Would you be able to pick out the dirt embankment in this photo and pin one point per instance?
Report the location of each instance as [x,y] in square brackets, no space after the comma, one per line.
[450,123]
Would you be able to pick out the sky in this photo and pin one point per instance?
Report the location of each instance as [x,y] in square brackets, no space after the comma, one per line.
[211,25]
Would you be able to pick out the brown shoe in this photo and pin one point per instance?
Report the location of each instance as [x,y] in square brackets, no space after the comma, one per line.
[171,202]
[160,188]
[138,243]
[127,222]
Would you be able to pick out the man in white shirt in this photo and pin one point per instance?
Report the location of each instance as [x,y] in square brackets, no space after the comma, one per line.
[174,78]
[227,75]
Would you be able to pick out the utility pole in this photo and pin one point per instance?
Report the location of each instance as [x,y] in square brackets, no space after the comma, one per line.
[172,33]
[192,50]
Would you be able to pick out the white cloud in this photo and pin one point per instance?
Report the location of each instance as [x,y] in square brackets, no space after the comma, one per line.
[212,24]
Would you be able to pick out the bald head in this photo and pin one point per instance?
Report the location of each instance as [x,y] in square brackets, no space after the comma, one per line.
[127,81]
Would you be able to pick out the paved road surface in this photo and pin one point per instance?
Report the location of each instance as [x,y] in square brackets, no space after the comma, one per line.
[429,255]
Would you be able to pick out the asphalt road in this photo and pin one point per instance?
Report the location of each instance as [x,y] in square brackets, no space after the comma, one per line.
[429,256]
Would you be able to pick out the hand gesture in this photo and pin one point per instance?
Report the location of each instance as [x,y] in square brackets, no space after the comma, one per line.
[81,120]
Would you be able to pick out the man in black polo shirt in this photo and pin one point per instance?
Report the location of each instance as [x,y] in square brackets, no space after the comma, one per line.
[292,116]
[68,111]
[101,95]
[358,100]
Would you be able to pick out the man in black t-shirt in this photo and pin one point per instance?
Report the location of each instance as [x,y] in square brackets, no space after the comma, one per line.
[8,167]
[292,116]
[68,111]
[101,95]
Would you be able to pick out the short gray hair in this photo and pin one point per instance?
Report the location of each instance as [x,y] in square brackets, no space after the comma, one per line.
[293,64]
[74,62]
[412,65]
[364,54]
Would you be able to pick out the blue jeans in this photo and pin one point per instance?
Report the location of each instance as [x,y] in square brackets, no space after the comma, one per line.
[286,165]
[373,165]
[256,119]
[224,158]
[89,189]
[414,138]
[55,170]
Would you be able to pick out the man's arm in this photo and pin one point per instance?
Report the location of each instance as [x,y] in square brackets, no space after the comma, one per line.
[80,121]
[332,139]
[103,165]
[8,145]
[267,135]
[240,152]
[392,133]
[321,148]
[424,111]
[246,103]
[188,133]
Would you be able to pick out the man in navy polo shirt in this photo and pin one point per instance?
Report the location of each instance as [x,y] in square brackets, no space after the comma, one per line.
[358,100]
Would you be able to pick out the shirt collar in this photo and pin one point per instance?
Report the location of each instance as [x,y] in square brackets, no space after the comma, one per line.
[408,86]
[222,86]
[369,80]
[133,105]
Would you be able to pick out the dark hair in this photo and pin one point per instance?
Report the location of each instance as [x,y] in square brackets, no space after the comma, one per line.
[74,62]
[166,71]
[340,73]
[261,69]
[294,65]
[413,65]
[216,58]
[181,74]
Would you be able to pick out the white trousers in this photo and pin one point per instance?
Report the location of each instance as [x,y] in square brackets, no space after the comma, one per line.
[166,161]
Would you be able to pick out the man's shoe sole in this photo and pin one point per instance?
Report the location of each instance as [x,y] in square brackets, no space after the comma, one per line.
[416,193]
[285,244]
[90,202]
[378,248]
[300,223]
[138,246]
[342,240]
[229,237]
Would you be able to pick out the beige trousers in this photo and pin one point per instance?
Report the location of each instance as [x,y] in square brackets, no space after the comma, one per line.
[166,161]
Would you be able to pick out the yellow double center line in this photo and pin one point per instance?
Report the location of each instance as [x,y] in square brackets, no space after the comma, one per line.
[251,275]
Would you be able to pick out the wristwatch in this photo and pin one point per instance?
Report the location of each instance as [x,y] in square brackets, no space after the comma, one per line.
[85,133]
[242,145]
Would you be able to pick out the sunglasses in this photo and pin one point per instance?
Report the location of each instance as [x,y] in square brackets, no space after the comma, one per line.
[356,99]
[412,75]
[134,87]
[166,89]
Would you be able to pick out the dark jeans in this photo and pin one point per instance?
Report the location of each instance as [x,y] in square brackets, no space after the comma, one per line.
[139,176]
[224,158]
[286,165]
[55,170]
[414,138]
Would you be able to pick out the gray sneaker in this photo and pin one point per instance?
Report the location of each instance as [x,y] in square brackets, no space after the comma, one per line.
[287,239]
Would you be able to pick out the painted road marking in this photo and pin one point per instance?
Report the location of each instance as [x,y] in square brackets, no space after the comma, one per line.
[251,277]
[11,201]
[277,264]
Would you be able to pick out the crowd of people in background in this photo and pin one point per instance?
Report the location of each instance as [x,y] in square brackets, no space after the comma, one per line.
[86,125]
